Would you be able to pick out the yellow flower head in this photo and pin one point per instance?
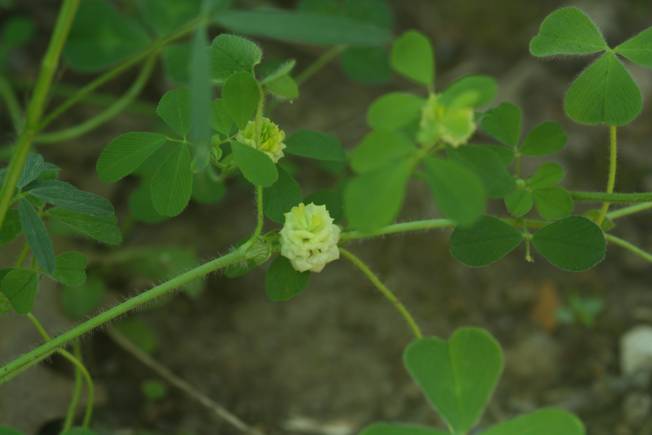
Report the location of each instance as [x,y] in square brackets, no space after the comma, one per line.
[309,237]
[270,140]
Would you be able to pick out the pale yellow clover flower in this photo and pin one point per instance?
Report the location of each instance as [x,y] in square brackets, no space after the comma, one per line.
[454,124]
[271,138]
[309,237]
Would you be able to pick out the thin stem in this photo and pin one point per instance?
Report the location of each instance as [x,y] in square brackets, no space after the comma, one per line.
[9,97]
[35,355]
[403,227]
[23,255]
[76,394]
[613,164]
[319,63]
[260,213]
[155,47]
[180,383]
[112,111]
[629,246]
[624,198]
[626,211]
[382,288]
[37,103]
[88,414]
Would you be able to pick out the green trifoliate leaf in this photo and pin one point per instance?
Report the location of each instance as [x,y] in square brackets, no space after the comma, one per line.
[70,268]
[638,49]
[10,227]
[20,286]
[100,37]
[174,110]
[37,236]
[544,139]
[519,202]
[304,27]
[241,95]
[413,57]
[487,241]
[81,300]
[281,196]
[399,429]
[374,199]
[503,123]
[101,228]
[546,175]
[167,19]
[256,166]
[126,153]
[553,203]
[65,195]
[394,111]
[567,31]
[232,54]
[458,191]
[367,65]
[541,422]
[282,282]
[604,93]
[171,182]
[379,148]
[457,376]
[315,145]
[573,244]
[486,163]
[471,91]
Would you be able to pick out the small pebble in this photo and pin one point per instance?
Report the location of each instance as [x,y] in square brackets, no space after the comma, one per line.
[636,350]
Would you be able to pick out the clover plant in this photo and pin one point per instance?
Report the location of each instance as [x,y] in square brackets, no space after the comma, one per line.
[217,124]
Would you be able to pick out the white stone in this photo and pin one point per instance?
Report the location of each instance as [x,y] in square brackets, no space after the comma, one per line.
[636,350]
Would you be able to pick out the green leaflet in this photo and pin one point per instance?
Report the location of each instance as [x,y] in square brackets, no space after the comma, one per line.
[394,111]
[457,376]
[256,166]
[503,123]
[638,49]
[171,182]
[374,199]
[573,244]
[127,152]
[315,145]
[231,54]
[174,110]
[70,268]
[37,236]
[541,422]
[282,282]
[241,95]
[20,287]
[281,196]
[567,31]
[604,93]
[487,241]
[399,429]
[413,57]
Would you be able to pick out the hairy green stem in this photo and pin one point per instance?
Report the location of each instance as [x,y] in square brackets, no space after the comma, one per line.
[629,246]
[626,211]
[37,103]
[112,111]
[37,354]
[613,165]
[7,94]
[382,288]
[403,227]
[76,394]
[260,213]
[88,414]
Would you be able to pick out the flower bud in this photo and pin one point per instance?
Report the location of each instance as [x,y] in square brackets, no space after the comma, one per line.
[453,125]
[309,237]
[270,140]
